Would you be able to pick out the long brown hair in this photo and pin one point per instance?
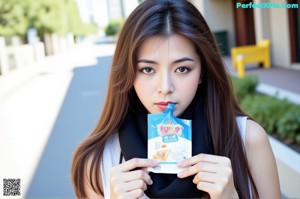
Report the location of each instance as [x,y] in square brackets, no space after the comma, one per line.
[166,17]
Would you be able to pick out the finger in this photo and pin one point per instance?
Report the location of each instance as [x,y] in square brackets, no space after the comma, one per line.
[136,163]
[206,186]
[199,167]
[145,169]
[137,193]
[135,175]
[199,158]
[205,177]
[136,184]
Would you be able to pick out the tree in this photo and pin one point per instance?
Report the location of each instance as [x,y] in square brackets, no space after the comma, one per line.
[55,16]
[12,21]
[47,16]
[75,23]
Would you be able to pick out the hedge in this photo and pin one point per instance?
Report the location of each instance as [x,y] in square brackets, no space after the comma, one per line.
[277,116]
[114,27]
[244,87]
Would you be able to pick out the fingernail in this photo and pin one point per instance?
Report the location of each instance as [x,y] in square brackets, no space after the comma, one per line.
[155,162]
[151,182]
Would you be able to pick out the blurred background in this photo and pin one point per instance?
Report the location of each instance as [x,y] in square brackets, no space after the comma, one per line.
[55,58]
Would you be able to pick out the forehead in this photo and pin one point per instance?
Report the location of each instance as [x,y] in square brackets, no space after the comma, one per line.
[173,45]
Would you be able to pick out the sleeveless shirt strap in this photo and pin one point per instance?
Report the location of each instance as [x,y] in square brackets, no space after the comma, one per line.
[242,121]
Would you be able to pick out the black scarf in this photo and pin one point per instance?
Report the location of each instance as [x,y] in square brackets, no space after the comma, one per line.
[133,142]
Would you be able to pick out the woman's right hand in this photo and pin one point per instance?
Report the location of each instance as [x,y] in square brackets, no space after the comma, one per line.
[125,183]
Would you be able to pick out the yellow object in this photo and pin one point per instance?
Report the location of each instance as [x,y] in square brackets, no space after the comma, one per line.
[259,53]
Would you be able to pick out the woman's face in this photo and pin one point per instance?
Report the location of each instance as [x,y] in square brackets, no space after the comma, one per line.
[168,71]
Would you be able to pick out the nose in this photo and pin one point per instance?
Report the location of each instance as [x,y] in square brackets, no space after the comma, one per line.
[165,84]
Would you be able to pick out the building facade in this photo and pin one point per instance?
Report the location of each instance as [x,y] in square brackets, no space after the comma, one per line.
[101,12]
[247,21]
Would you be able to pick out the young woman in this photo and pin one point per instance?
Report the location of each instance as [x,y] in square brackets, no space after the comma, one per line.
[166,53]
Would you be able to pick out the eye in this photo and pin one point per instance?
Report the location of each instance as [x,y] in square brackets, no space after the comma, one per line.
[183,70]
[147,70]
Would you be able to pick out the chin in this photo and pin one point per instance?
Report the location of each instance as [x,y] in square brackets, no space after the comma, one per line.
[176,113]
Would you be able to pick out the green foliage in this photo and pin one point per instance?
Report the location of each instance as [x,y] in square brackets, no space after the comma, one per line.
[12,21]
[266,110]
[298,138]
[243,87]
[114,27]
[47,16]
[75,24]
[86,29]
[277,116]
[289,124]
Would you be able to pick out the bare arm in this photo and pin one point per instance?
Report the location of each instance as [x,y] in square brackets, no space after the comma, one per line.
[262,161]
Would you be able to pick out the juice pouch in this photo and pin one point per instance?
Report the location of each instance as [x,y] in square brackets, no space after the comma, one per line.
[169,140]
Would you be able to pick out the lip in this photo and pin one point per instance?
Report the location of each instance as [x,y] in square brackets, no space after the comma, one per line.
[163,105]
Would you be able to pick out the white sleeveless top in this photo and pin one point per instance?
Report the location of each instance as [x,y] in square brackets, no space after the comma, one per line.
[112,151]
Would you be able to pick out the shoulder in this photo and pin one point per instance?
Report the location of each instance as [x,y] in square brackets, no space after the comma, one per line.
[255,134]
[261,161]
[252,134]
[257,142]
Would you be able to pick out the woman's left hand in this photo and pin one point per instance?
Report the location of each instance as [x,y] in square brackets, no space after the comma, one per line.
[213,174]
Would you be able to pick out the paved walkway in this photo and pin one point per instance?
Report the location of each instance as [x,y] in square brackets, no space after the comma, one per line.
[287,79]
[45,115]
[282,82]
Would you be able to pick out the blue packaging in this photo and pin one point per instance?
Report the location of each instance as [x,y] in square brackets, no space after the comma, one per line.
[169,140]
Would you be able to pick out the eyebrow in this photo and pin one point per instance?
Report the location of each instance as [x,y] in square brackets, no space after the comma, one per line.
[176,61]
